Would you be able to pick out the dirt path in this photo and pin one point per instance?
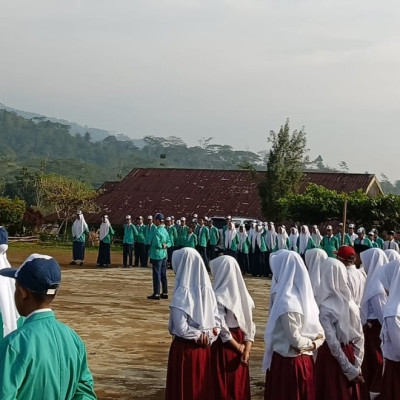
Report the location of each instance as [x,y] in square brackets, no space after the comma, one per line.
[127,335]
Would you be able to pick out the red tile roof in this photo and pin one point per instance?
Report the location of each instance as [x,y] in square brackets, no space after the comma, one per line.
[182,192]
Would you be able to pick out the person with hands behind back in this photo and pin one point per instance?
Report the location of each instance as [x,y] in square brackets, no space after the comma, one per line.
[194,324]
[232,350]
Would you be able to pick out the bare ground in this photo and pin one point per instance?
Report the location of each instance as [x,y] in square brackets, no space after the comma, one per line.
[126,335]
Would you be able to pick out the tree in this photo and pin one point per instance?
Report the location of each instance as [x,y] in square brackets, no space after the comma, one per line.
[66,196]
[11,213]
[284,168]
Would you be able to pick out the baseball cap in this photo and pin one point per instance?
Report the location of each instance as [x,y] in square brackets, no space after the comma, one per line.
[150,217]
[345,252]
[183,219]
[159,216]
[361,230]
[168,219]
[391,233]
[79,212]
[128,217]
[351,226]
[38,273]
[328,227]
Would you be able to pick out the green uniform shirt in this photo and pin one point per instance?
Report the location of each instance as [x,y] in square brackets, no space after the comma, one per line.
[44,360]
[364,241]
[214,235]
[141,232]
[148,233]
[157,238]
[130,232]
[203,236]
[379,241]
[191,240]
[182,235]
[245,246]
[81,238]
[330,244]
[173,234]
[107,238]
[310,244]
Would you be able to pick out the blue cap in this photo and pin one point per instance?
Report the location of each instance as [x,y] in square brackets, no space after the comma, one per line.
[159,216]
[39,273]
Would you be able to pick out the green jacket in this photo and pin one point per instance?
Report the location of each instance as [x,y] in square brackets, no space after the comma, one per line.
[234,244]
[191,240]
[182,235]
[203,236]
[158,237]
[107,238]
[148,233]
[44,359]
[130,232]
[379,241]
[364,241]
[214,235]
[330,244]
[173,234]
[141,233]
[82,238]
[245,246]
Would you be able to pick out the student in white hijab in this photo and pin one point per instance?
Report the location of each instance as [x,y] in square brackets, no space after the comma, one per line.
[314,261]
[194,324]
[292,333]
[258,249]
[305,241]
[9,317]
[338,364]
[282,239]
[372,305]
[243,250]
[231,240]
[390,278]
[270,242]
[232,351]
[392,254]
[79,231]
[316,235]
[105,233]
[294,234]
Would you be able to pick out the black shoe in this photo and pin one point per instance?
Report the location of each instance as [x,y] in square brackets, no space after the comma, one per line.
[164,296]
[72,263]
[81,263]
[123,266]
[130,266]
[154,297]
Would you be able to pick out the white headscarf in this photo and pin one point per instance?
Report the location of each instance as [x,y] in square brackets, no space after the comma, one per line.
[193,293]
[304,238]
[314,260]
[372,259]
[293,238]
[104,228]
[270,237]
[334,296]
[79,226]
[230,234]
[8,311]
[293,294]
[316,237]
[230,291]
[242,236]
[281,238]
[390,278]
[257,236]
[392,254]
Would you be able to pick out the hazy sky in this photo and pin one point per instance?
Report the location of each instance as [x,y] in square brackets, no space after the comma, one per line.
[232,70]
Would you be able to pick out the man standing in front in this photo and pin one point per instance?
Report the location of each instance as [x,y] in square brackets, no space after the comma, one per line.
[330,243]
[140,256]
[159,242]
[130,232]
[43,359]
[203,235]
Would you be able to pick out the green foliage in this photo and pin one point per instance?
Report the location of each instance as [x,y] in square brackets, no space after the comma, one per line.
[11,213]
[284,168]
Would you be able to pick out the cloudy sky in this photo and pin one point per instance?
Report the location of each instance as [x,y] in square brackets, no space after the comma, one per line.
[228,69]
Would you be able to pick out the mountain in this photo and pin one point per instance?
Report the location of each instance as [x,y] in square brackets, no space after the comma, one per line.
[96,134]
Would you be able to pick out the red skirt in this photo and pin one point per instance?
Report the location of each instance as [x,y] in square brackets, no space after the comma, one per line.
[290,378]
[189,372]
[391,381]
[373,360]
[231,375]
[331,383]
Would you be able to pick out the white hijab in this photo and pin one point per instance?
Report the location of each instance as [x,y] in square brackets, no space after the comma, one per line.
[230,291]
[104,228]
[257,236]
[79,226]
[293,238]
[304,238]
[372,259]
[8,311]
[193,293]
[242,236]
[390,278]
[314,260]
[392,254]
[293,294]
[334,296]
[317,237]
[270,237]
[230,234]
[281,238]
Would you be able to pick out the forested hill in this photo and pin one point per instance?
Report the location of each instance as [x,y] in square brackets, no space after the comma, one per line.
[35,143]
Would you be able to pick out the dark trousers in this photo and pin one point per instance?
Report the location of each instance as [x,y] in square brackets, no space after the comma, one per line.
[203,252]
[146,255]
[169,252]
[127,249]
[259,262]
[159,274]
[230,252]
[139,251]
[243,260]
[268,270]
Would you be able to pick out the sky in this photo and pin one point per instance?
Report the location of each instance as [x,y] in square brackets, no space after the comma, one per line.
[232,70]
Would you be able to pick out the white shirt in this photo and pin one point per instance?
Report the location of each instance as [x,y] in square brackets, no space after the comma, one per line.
[356,283]
[391,338]
[228,320]
[390,244]
[376,305]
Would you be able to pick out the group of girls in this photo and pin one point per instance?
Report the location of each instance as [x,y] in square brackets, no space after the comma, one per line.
[319,343]
[212,330]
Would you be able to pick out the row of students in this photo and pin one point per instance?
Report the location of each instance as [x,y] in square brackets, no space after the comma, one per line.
[212,330]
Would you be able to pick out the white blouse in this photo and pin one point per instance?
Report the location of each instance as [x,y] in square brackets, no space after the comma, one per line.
[391,338]
[228,320]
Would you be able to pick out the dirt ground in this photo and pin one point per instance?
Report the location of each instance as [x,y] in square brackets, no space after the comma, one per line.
[126,335]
